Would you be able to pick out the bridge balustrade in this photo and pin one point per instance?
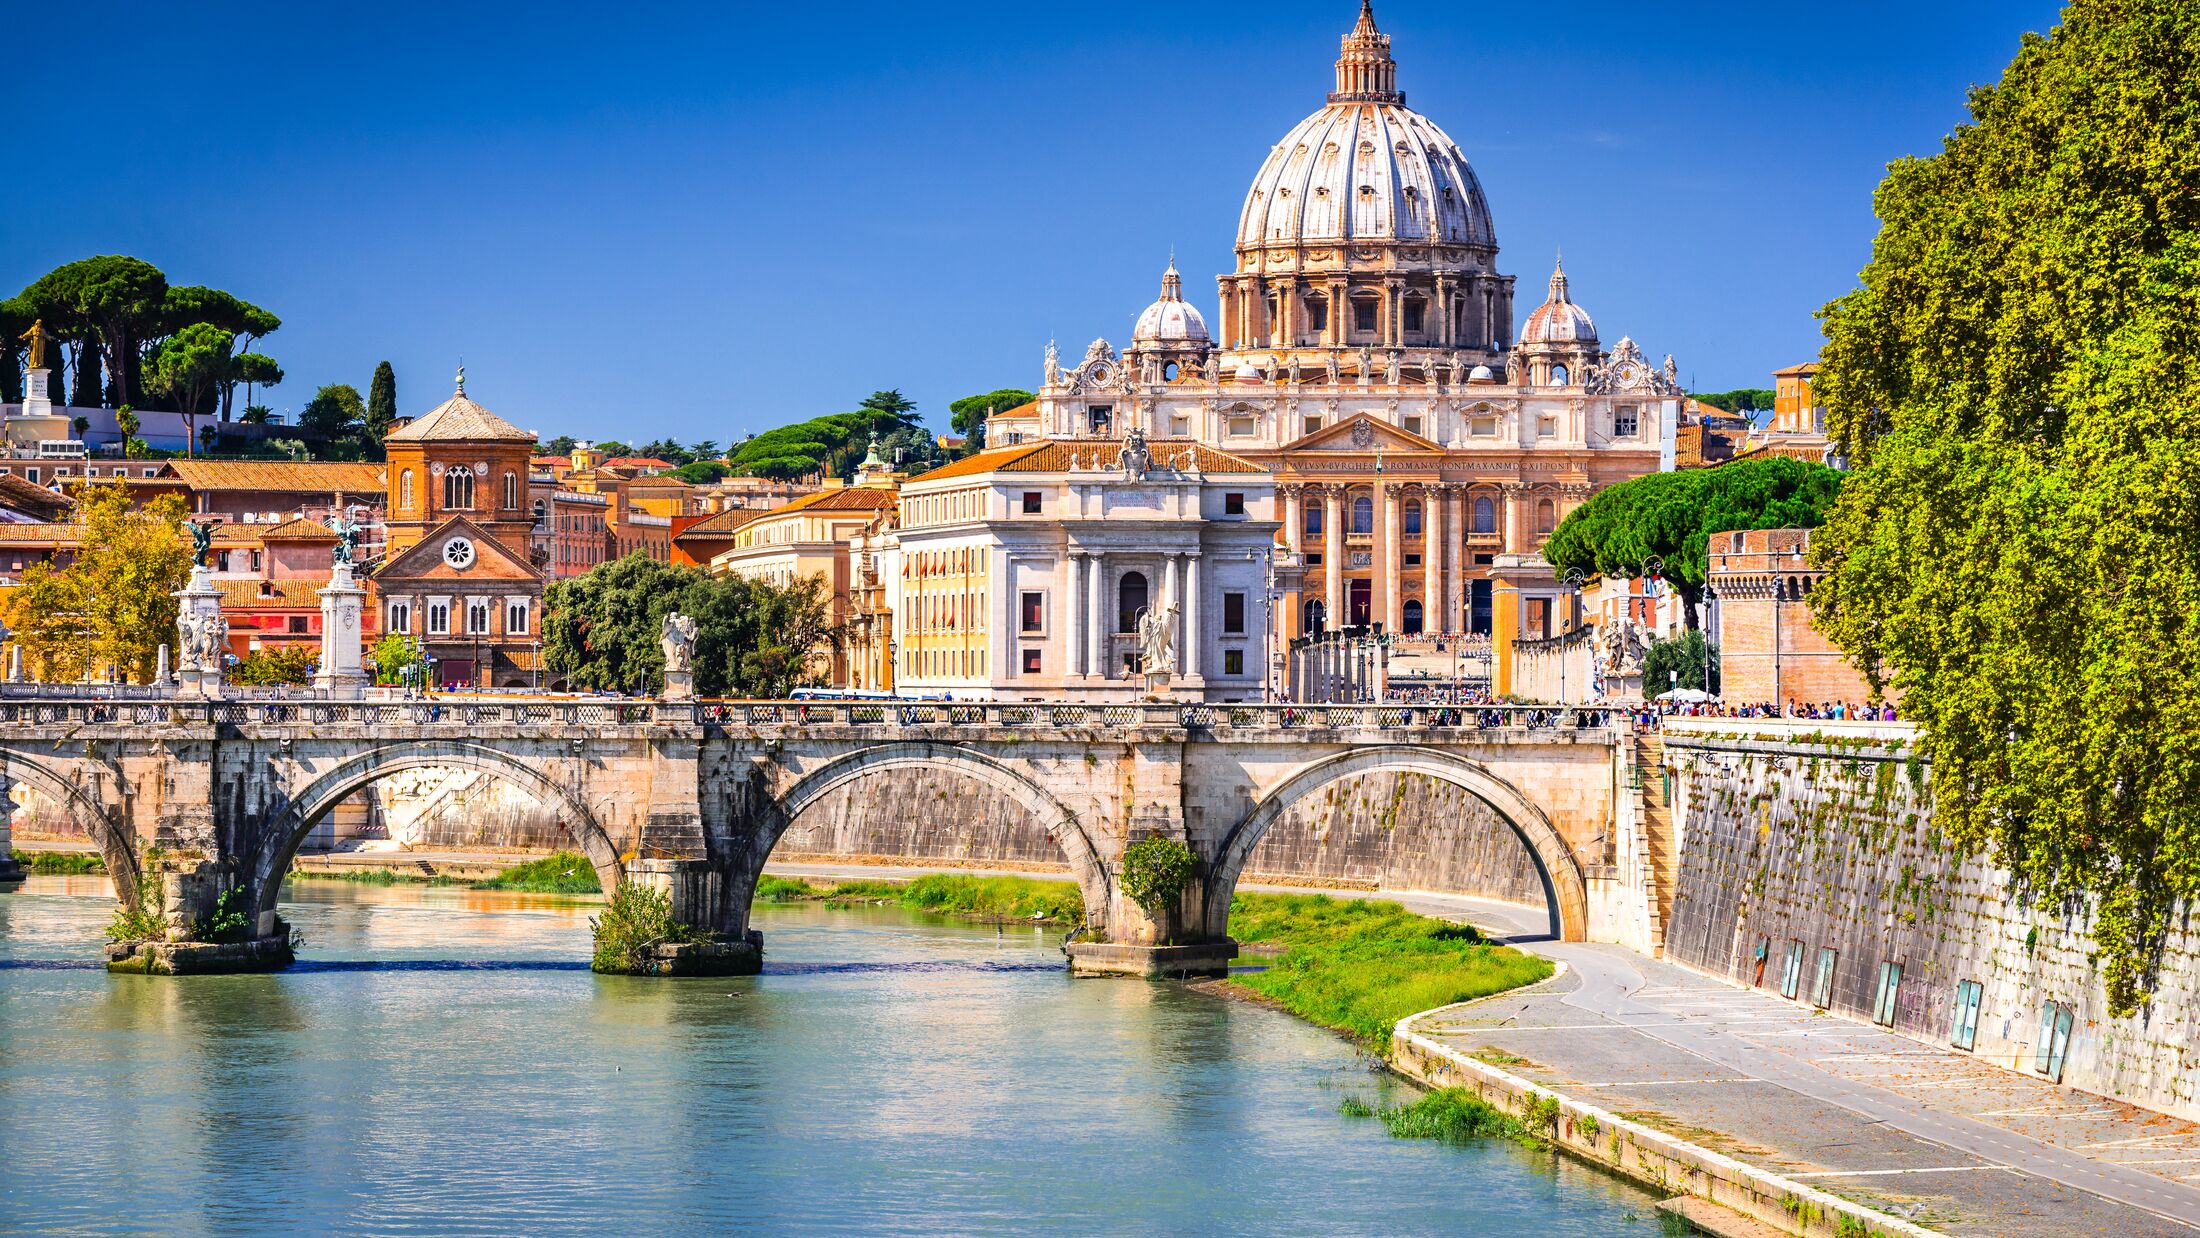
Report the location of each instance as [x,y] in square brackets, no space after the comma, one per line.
[465,713]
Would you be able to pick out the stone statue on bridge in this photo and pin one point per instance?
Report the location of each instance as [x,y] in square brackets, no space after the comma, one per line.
[677,638]
[202,542]
[1157,641]
[347,540]
[202,638]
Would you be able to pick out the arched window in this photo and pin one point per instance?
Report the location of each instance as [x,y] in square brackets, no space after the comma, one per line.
[1130,599]
[1546,516]
[1558,376]
[1413,518]
[1317,616]
[1485,515]
[405,490]
[540,511]
[458,489]
[1413,615]
[1363,514]
[1311,519]
[511,492]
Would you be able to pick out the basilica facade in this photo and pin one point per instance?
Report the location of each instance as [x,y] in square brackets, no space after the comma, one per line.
[1365,356]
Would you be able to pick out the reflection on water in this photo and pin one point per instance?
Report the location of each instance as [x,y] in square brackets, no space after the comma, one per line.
[446,1064]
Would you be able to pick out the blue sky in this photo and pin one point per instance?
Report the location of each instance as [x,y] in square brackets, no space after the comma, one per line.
[707,220]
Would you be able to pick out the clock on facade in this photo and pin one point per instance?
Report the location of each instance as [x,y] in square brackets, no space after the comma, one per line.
[458,552]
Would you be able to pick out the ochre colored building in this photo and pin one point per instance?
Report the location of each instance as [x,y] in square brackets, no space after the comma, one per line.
[1770,650]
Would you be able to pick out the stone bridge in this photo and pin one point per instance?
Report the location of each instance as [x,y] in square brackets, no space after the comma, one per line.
[212,796]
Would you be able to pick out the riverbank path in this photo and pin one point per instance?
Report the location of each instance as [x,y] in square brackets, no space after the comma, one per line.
[1913,1129]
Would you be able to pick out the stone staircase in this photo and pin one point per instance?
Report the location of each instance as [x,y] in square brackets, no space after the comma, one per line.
[1660,840]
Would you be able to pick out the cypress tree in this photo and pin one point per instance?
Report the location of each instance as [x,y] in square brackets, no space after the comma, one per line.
[381,401]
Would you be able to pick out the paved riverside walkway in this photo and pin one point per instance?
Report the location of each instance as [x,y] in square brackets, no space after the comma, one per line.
[1913,1129]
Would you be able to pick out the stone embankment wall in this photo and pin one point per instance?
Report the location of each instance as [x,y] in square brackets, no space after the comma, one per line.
[1824,835]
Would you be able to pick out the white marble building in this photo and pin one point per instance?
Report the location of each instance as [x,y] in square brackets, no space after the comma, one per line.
[1025,571]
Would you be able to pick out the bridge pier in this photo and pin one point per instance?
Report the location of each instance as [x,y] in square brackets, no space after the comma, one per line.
[701,896]
[198,933]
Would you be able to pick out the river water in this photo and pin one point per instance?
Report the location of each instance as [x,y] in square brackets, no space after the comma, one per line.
[444,1063]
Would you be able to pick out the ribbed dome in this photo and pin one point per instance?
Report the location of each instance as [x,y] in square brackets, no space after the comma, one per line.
[1558,320]
[1366,167]
[1172,319]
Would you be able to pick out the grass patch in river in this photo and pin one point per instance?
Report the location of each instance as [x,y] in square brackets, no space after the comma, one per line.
[60,863]
[560,872]
[1360,965]
[1020,899]
[1453,1115]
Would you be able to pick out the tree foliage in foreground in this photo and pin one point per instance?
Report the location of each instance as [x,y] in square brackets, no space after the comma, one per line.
[1685,661]
[751,640]
[276,664]
[114,604]
[1671,516]
[2019,548]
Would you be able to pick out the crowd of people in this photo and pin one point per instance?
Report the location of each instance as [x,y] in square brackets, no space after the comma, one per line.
[1653,713]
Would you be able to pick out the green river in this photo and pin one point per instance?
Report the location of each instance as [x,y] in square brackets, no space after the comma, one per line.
[444,1063]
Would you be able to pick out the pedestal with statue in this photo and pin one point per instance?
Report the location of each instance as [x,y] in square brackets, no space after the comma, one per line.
[1157,648]
[202,635]
[342,674]
[677,639]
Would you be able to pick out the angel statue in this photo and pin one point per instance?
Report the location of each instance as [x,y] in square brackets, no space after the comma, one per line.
[202,542]
[1157,640]
[1054,364]
[678,639]
[347,540]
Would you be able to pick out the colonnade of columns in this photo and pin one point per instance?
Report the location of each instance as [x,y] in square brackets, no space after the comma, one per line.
[1263,312]
[1089,625]
[1446,565]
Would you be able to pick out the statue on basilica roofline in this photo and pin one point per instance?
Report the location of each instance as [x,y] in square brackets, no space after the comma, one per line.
[1054,364]
[1134,459]
[1212,370]
[1390,370]
[1458,370]
[1331,360]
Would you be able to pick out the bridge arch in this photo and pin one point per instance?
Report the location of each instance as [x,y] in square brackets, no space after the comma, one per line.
[1061,824]
[117,846]
[1565,889]
[290,822]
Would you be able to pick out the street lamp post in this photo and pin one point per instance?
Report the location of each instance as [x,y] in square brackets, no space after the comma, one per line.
[1572,580]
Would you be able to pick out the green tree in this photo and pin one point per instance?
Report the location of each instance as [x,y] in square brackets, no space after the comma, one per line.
[189,367]
[1686,661]
[967,416]
[892,403]
[276,664]
[117,300]
[702,472]
[562,445]
[2019,547]
[114,604]
[1739,400]
[601,630]
[381,402]
[16,317]
[126,421]
[335,411]
[253,370]
[1671,517]
[191,304]
[392,655]
[704,449]
[87,391]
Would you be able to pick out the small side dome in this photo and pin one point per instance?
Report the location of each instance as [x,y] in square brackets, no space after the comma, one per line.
[1481,374]
[1558,320]
[1172,320]
[1248,373]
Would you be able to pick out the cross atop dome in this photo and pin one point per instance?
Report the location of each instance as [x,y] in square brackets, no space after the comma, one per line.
[1365,71]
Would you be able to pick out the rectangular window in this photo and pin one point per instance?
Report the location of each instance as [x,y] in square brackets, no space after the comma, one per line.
[1240,427]
[30,475]
[298,624]
[1791,972]
[1483,427]
[1233,504]
[1031,661]
[1623,422]
[1413,560]
[1413,315]
[1546,427]
[1097,416]
[1307,425]
[1890,986]
[1233,614]
[2054,1043]
[1313,558]
[1963,1032]
[1413,425]
[1031,502]
[1363,315]
[1233,661]
[1034,611]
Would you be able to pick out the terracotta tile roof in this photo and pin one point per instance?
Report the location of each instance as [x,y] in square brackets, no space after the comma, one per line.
[721,524]
[1805,370]
[303,529]
[637,462]
[843,499]
[288,476]
[459,419]
[30,497]
[1054,458]
[246,594]
[70,533]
